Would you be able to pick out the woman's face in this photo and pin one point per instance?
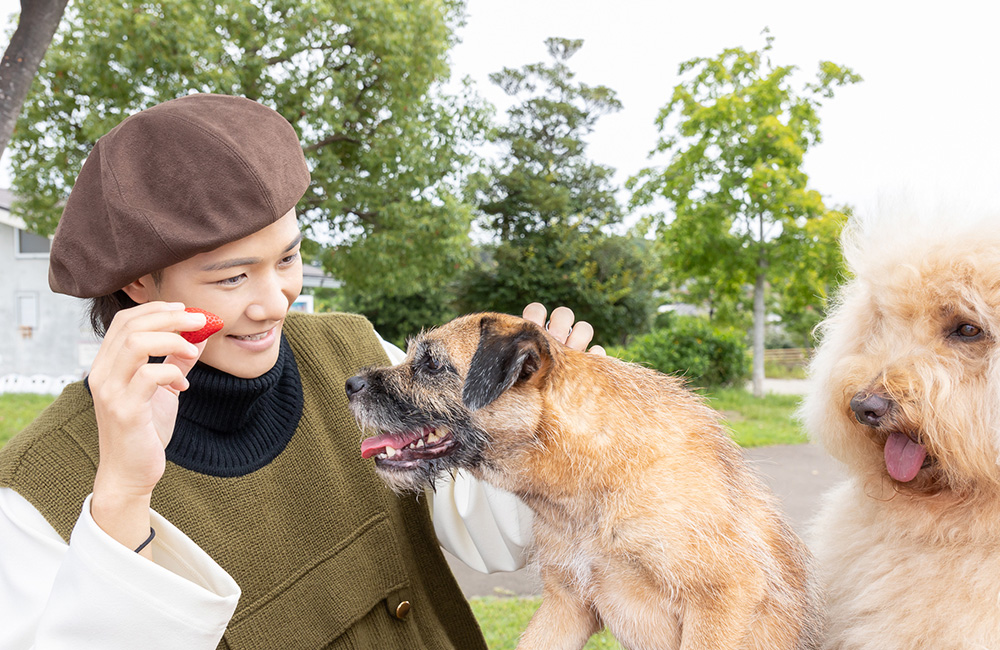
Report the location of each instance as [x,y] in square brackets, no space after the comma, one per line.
[250,284]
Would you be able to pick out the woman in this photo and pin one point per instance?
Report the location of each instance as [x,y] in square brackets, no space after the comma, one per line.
[217,497]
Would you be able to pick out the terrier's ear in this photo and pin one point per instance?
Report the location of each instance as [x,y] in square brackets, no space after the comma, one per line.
[502,359]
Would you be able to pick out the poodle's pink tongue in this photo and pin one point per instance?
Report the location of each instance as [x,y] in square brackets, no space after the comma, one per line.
[903,457]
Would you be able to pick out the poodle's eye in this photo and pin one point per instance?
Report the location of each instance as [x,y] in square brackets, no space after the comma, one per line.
[968,332]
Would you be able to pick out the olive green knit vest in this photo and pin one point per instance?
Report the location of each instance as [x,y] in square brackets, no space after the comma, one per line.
[324,553]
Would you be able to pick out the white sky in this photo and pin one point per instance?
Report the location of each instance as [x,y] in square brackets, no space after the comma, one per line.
[925,121]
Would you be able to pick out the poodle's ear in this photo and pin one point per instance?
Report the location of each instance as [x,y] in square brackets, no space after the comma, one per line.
[505,357]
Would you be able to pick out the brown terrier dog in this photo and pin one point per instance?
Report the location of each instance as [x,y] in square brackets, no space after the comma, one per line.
[647,519]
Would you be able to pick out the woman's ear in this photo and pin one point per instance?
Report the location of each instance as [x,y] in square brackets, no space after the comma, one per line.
[142,290]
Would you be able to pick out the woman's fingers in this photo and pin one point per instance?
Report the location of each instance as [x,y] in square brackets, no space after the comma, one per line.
[133,355]
[562,327]
[580,335]
[153,376]
[127,401]
[149,331]
[536,313]
[138,347]
[561,323]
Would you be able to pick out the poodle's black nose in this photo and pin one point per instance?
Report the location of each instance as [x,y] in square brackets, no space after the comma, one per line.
[870,408]
[354,385]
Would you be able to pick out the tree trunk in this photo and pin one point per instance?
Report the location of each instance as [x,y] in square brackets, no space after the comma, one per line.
[35,28]
[759,316]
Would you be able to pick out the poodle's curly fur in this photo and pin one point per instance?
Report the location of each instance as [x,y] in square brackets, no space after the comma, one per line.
[908,548]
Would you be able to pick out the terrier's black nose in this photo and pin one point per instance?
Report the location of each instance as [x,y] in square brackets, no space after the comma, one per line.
[870,408]
[354,385]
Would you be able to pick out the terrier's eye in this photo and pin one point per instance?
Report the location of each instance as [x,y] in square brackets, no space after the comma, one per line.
[968,332]
[431,364]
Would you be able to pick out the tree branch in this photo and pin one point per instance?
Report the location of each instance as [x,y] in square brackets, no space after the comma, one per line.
[289,55]
[370,218]
[337,137]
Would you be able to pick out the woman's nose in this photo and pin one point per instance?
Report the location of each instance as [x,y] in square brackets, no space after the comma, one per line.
[271,300]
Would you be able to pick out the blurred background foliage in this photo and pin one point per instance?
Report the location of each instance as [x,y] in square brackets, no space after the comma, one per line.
[426,203]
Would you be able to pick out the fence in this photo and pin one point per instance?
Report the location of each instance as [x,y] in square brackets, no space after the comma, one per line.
[788,357]
[40,384]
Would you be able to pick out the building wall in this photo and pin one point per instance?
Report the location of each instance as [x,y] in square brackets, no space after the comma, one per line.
[41,332]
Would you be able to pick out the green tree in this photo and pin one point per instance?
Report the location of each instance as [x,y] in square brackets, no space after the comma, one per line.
[736,132]
[545,203]
[811,276]
[544,177]
[360,81]
[398,318]
[609,280]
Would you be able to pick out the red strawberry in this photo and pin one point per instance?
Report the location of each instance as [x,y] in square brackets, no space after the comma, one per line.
[212,325]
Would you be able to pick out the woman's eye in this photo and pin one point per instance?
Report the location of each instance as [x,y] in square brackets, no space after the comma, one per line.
[236,279]
[285,261]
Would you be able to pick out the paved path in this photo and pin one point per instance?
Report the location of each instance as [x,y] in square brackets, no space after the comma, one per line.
[796,474]
[784,386]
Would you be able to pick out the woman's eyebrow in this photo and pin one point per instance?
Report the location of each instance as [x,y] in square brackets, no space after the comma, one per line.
[247,261]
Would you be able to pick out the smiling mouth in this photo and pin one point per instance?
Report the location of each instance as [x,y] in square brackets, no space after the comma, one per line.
[409,448]
[251,337]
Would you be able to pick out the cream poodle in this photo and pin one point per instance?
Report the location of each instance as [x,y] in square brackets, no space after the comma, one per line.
[907,394]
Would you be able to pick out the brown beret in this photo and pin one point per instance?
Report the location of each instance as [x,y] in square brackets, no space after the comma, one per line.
[178,179]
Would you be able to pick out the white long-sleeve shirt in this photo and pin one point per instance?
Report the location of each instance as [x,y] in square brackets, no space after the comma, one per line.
[96,593]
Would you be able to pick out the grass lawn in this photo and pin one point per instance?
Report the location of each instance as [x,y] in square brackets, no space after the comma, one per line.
[758,422]
[503,619]
[781,371]
[17,410]
[755,423]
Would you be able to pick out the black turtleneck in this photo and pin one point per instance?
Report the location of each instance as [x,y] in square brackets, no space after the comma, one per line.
[227,426]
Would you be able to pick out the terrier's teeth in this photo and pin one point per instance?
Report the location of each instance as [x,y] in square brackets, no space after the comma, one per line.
[390,452]
[432,438]
[419,443]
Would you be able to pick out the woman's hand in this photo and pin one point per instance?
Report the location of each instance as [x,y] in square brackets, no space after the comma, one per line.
[135,403]
[562,327]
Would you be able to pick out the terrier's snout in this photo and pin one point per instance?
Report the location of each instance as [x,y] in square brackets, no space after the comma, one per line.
[355,385]
[870,408]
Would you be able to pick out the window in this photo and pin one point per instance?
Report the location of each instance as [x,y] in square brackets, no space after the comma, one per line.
[27,312]
[27,308]
[31,245]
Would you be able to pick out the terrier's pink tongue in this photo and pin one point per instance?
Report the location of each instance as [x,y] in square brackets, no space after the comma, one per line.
[375,444]
[903,457]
